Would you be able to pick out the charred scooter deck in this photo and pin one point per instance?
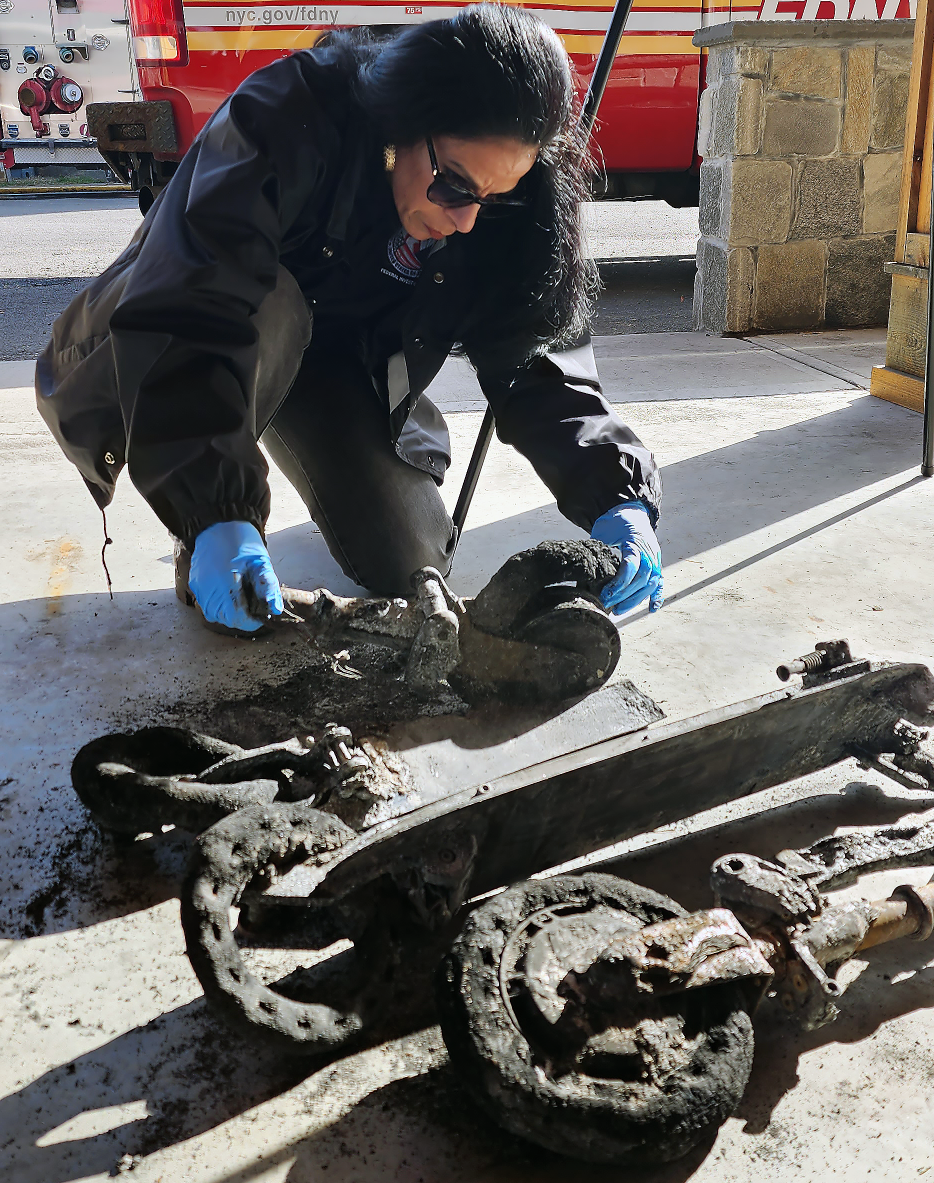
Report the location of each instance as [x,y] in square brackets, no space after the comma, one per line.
[580,800]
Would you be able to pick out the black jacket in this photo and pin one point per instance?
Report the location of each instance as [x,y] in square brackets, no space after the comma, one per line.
[154,365]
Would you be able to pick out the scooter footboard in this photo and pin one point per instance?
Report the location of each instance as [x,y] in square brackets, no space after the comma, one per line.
[580,802]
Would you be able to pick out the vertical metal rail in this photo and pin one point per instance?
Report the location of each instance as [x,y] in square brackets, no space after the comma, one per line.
[927,456]
[598,81]
[601,71]
[472,476]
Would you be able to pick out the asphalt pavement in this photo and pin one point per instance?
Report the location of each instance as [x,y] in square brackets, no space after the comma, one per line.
[51,246]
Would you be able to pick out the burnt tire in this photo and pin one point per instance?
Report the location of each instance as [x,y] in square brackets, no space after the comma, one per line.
[224,860]
[537,632]
[548,1097]
[133,782]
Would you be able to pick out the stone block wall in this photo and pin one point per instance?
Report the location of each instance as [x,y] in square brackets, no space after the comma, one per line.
[801,131]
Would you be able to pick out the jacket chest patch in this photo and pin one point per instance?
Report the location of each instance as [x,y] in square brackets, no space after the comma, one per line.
[405,255]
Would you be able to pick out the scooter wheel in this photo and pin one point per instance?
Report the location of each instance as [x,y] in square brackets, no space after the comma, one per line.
[224,861]
[137,782]
[639,1082]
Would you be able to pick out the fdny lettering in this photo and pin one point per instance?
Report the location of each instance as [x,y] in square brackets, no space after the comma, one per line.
[403,252]
[854,10]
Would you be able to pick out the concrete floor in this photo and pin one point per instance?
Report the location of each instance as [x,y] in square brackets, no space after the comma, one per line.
[794,512]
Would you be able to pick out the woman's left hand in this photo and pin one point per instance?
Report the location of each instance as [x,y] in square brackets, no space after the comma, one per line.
[639,578]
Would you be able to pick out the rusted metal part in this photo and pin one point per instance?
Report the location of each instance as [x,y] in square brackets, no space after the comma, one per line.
[436,883]
[828,662]
[919,902]
[344,617]
[806,959]
[840,860]
[908,912]
[688,952]
[536,632]
[435,650]
[779,931]
[796,931]
[911,761]
[804,937]
[753,882]
[826,655]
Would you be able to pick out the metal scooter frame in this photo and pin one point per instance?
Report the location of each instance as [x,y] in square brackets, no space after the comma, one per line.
[469,843]
[573,805]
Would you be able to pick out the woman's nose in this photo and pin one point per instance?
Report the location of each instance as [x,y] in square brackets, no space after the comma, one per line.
[464,218]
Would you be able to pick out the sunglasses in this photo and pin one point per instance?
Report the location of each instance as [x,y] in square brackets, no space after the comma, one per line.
[451,195]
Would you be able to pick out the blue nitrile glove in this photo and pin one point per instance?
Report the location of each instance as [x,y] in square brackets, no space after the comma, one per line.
[225,555]
[628,527]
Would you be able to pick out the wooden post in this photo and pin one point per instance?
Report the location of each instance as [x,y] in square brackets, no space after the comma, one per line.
[901,379]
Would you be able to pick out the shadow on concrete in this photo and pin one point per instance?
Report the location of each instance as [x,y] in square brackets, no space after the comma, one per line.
[427,1126]
[717,497]
[77,667]
[192,1080]
[729,492]
[192,1075]
[685,861]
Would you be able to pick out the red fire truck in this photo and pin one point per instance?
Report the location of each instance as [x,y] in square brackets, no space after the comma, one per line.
[192,53]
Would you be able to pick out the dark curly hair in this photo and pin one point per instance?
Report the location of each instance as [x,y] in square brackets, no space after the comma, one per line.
[495,70]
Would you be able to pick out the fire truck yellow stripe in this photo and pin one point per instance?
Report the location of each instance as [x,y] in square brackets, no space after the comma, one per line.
[644,46]
[243,40]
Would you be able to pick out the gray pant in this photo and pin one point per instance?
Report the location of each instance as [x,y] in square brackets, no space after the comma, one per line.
[381,518]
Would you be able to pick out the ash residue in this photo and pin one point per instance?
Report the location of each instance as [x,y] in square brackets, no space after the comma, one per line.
[74,861]
[362,690]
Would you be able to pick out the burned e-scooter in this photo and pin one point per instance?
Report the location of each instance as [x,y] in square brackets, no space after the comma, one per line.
[586,1013]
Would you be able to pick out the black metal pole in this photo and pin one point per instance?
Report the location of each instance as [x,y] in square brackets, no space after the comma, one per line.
[601,71]
[472,476]
[598,81]
[927,457]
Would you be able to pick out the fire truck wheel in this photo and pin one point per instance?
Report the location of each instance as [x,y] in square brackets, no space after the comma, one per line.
[631,1081]
[319,1019]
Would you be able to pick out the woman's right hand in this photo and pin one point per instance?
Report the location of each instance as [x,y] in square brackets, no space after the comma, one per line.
[226,558]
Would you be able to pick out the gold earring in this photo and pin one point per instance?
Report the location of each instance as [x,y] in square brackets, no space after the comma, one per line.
[389,157]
